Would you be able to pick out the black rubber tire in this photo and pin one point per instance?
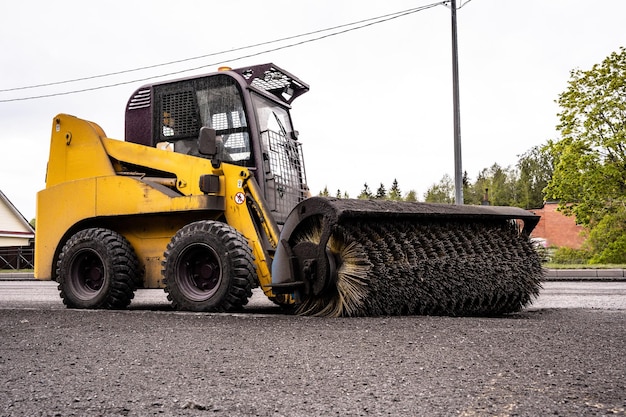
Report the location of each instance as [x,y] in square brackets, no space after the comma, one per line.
[97,269]
[208,266]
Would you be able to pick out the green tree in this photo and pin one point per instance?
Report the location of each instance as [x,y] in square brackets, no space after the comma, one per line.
[411,196]
[366,194]
[394,191]
[607,239]
[443,192]
[498,183]
[381,193]
[473,193]
[324,192]
[589,178]
[535,168]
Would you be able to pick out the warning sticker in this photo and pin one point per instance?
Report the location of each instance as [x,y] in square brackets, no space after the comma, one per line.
[240,198]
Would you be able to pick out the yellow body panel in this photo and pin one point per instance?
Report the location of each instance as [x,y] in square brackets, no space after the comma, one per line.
[86,186]
[58,208]
[76,151]
[118,196]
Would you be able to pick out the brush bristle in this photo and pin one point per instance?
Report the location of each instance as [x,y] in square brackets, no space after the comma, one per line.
[350,292]
[352,278]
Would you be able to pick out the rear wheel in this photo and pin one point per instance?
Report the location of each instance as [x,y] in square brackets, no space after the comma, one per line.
[97,268]
[208,266]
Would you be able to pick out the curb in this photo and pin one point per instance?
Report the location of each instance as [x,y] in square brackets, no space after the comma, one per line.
[585,275]
[16,276]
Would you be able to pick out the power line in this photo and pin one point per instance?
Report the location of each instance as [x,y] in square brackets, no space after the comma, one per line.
[447,3]
[378,18]
[349,27]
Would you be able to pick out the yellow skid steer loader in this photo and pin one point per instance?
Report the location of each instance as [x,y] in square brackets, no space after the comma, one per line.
[207,199]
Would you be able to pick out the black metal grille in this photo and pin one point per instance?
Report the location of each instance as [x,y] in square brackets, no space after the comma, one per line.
[236,144]
[287,173]
[272,80]
[180,112]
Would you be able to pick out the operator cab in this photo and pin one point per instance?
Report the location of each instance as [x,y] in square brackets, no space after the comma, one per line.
[248,108]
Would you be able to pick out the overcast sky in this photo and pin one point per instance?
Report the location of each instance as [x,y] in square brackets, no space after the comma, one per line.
[380,104]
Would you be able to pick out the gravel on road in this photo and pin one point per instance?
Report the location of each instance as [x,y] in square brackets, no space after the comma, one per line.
[142,363]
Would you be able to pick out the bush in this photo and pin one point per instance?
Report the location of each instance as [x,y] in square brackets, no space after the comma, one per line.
[607,239]
[613,253]
[570,256]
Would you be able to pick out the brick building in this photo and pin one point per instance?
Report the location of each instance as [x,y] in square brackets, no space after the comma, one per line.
[558,230]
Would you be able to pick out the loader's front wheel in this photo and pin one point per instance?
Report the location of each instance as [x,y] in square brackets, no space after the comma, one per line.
[208,266]
[97,268]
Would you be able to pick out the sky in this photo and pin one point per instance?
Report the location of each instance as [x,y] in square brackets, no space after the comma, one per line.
[380,102]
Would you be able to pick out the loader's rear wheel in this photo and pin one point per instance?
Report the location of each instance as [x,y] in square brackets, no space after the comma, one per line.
[208,266]
[97,268]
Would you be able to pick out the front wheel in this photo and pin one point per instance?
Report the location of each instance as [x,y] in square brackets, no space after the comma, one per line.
[208,266]
[97,268]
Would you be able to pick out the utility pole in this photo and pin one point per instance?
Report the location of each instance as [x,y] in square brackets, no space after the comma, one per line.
[458,166]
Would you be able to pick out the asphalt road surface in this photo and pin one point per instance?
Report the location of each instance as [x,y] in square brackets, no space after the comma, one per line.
[564,355]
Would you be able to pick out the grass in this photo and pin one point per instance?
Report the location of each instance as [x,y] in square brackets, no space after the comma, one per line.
[584,266]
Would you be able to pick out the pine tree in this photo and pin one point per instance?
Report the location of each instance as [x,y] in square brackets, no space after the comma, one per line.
[381,193]
[366,194]
[395,193]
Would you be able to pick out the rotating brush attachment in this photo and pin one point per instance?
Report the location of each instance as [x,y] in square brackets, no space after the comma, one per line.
[396,258]
[446,268]
[348,295]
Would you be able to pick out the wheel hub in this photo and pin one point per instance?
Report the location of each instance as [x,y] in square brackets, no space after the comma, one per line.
[206,277]
[94,278]
[200,273]
[89,273]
